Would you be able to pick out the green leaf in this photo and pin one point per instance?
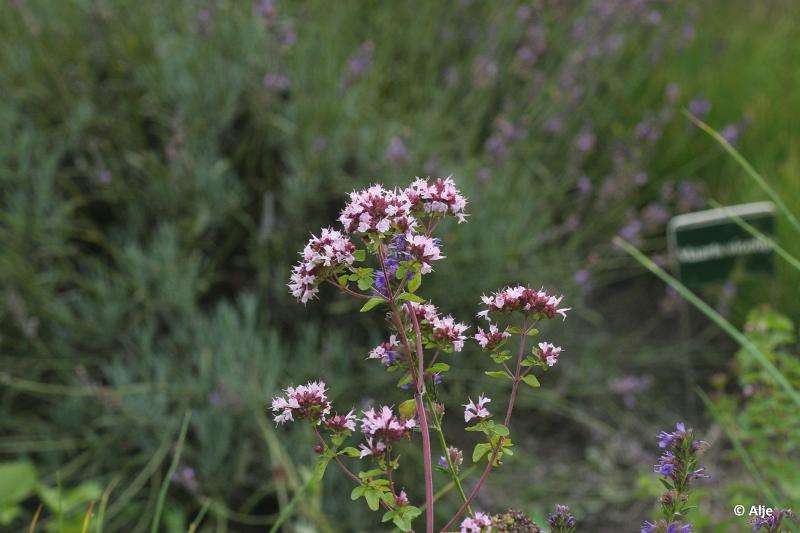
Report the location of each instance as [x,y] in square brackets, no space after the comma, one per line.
[481,449]
[373,498]
[18,480]
[411,511]
[529,361]
[410,297]
[514,329]
[357,492]
[350,452]
[500,357]
[500,429]
[372,302]
[403,522]
[388,515]
[531,380]
[360,255]
[415,282]
[405,380]
[666,483]
[501,374]
[343,280]
[438,367]
[407,408]
[321,466]
[533,332]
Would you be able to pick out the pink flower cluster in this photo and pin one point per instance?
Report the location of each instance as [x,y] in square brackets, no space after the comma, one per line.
[425,250]
[381,428]
[480,523]
[477,411]
[492,339]
[341,423]
[440,197]
[321,257]
[304,401]
[549,353]
[425,312]
[378,211]
[537,304]
[444,332]
[386,352]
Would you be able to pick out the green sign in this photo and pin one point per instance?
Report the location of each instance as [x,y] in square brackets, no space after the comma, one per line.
[707,246]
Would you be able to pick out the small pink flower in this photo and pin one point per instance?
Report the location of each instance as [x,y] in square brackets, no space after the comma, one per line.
[386,352]
[382,428]
[492,339]
[304,401]
[479,411]
[438,198]
[322,256]
[376,211]
[427,312]
[549,353]
[425,250]
[447,331]
[401,499]
[340,423]
[533,303]
[371,448]
[480,523]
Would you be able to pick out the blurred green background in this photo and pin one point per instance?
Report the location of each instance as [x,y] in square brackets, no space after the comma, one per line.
[162,163]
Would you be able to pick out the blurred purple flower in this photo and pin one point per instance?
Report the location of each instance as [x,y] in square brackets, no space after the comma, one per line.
[629,387]
[690,196]
[266,8]
[553,125]
[731,133]
[585,141]
[104,176]
[186,478]
[484,72]
[700,106]
[397,152]
[655,215]
[647,130]
[672,92]
[584,185]
[276,82]
[360,63]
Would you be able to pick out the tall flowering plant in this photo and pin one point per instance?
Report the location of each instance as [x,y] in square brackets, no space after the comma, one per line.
[381,253]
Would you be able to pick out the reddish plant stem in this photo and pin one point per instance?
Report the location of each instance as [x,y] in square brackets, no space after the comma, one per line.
[423,422]
[341,465]
[512,399]
[349,291]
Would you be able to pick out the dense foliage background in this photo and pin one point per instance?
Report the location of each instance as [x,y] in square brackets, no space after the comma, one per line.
[161,164]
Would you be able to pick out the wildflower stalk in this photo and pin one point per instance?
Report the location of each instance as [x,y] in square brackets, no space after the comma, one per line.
[517,378]
[423,423]
[437,425]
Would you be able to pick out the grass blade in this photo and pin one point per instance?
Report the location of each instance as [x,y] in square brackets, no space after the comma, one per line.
[713,315]
[758,178]
[287,511]
[101,512]
[200,515]
[87,518]
[162,495]
[35,520]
